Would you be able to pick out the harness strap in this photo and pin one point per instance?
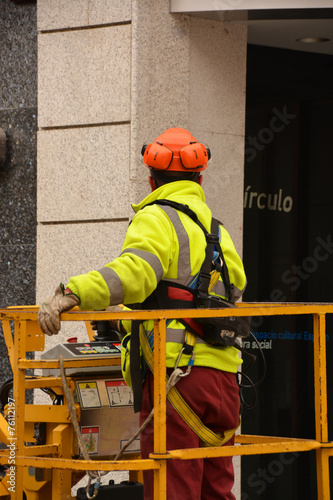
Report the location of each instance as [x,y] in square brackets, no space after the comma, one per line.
[207,437]
[188,343]
[224,271]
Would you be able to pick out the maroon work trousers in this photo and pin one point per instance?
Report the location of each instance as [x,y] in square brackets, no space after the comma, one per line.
[214,396]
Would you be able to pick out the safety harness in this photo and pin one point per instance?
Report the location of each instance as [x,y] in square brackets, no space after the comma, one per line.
[167,295]
[215,331]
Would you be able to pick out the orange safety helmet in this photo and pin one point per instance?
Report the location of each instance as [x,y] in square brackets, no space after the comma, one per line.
[176,150]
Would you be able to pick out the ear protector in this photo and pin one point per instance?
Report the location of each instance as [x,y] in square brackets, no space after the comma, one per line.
[157,156]
[179,151]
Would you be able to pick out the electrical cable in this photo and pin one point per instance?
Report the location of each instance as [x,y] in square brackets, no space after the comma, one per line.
[57,399]
[243,374]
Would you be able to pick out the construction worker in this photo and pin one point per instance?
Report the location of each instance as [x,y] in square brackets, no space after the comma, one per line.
[164,246]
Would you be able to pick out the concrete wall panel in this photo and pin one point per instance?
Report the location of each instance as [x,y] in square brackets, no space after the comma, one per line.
[83,173]
[217,76]
[84,76]
[63,14]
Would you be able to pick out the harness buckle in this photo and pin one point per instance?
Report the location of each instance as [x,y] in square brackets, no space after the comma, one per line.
[212,238]
[189,365]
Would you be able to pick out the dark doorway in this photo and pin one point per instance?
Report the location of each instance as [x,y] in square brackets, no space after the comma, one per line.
[288,252]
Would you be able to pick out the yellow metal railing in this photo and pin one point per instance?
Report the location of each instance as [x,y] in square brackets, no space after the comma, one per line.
[27,337]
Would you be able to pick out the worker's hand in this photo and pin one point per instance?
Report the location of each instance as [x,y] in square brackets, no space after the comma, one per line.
[49,312]
[114,323]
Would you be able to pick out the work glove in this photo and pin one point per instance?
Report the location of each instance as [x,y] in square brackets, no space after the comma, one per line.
[49,312]
[115,324]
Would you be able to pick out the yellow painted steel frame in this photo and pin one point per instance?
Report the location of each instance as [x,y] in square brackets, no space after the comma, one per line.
[54,459]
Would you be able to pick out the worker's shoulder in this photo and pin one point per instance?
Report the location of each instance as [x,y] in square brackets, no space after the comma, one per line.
[153,215]
[151,209]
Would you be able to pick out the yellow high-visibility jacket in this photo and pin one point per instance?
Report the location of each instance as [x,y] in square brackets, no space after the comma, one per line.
[163,243]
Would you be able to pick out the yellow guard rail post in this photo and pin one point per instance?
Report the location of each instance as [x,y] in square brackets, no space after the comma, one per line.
[27,337]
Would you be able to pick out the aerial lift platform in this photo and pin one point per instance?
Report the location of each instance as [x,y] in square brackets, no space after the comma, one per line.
[40,453]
